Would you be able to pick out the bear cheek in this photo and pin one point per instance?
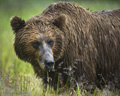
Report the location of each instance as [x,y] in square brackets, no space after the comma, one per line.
[34,54]
[37,55]
[56,53]
[53,52]
[58,48]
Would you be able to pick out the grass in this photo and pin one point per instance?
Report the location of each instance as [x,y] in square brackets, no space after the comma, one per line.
[17,77]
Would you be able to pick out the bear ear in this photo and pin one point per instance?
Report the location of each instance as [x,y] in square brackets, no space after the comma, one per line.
[17,23]
[60,22]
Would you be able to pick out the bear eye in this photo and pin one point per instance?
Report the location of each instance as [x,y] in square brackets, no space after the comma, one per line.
[36,44]
[50,42]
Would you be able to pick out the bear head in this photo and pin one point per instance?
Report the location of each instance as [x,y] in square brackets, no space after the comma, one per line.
[39,41]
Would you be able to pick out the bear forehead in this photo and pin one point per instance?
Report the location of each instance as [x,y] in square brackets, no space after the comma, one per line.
[39,21]
[39,26]
[35,32]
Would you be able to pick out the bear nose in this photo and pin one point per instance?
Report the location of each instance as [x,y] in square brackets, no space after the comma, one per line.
[49,64]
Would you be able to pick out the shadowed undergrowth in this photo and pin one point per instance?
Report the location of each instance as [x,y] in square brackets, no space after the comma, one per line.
[26,85]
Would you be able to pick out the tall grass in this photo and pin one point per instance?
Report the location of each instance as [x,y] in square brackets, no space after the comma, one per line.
[17,77]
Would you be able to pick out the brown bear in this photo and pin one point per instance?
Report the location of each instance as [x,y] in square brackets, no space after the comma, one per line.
[69,43]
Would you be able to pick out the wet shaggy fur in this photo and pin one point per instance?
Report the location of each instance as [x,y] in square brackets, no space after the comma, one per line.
[87,44]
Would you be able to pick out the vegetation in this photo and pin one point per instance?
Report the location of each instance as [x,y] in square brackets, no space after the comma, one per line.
[17,77]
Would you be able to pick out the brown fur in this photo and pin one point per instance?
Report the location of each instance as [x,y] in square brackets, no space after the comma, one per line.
[92,39]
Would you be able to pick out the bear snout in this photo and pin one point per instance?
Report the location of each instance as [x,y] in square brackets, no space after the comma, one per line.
[49,64]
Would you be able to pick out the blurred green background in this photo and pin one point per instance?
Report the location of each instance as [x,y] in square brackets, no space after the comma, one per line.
[9,63]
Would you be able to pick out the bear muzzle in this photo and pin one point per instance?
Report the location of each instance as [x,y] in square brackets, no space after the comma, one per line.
[49,64]
[46,59]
